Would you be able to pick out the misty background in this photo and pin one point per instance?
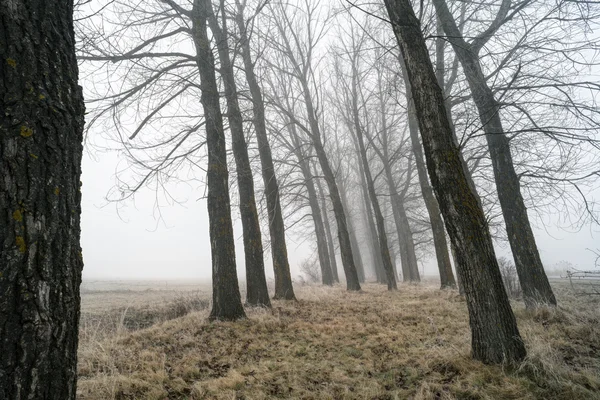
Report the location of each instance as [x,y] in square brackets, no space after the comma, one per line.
[137,240]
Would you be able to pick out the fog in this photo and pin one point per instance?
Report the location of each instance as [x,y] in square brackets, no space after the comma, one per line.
[132,240]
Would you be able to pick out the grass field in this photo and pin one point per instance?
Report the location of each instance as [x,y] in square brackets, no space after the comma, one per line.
[153,341]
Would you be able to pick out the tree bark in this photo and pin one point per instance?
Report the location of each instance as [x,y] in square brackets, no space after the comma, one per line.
[41,131]
[435,218]
[330,244]
[257,293]
[227,303]
[495,336]
[533,279]
[281,266]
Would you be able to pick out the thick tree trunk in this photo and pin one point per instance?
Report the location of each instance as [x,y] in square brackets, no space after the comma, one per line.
[313,201]
[257,293]
[330,244]
[533,279]
[360,268]
[380,222]
[41,125]
[227,304]
[352,282]
[281,266]
[495,336]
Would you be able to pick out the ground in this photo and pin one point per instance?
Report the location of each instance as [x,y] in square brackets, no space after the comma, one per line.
[330,344]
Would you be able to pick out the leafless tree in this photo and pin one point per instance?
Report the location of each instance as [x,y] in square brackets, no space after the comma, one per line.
[495,336]
[299,30]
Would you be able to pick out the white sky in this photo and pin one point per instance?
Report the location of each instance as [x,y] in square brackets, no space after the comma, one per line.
[129,244]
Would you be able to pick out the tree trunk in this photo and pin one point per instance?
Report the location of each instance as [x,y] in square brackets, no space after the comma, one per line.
[406,234]
[257,293]
[495,336]
[227,304]
[352,282]
[41,131]
[534,282]
[324,260]
[408,258]
[360,268]
[390,228]
[380,222]
[281,266]
[433,209]
[373,239]
[330,244]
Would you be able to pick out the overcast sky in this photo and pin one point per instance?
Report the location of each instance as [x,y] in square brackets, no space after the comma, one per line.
[130,244]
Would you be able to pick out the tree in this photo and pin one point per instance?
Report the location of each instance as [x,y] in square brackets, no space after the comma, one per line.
[370,184]
[41,131]
[330,243]
[495,336]
[281,267]
[433,209]
[257,293]
[227,304]
[536,287]
[298,55]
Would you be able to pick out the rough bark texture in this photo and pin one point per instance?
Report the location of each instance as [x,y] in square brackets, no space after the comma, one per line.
[309,182]
[41,125]
[330,244]
[495,336]
[257,293]
[281,266]
[533,279]
[379,220]
[227,303]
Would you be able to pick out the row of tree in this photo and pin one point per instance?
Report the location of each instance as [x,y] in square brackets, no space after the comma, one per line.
[338,109]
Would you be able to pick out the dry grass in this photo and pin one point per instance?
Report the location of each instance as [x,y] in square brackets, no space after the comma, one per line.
[333,344]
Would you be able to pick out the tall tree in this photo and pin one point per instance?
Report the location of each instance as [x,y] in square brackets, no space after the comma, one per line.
[495,337]
[379,220]
[407,247]
[360,269]
[533,279]
[227,303]
[323,251]
[257,293]
[41,131]
[330,243]
[301,69]
[281,266]
[437,223]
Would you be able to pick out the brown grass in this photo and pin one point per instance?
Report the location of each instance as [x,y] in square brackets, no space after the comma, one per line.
[333,344]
